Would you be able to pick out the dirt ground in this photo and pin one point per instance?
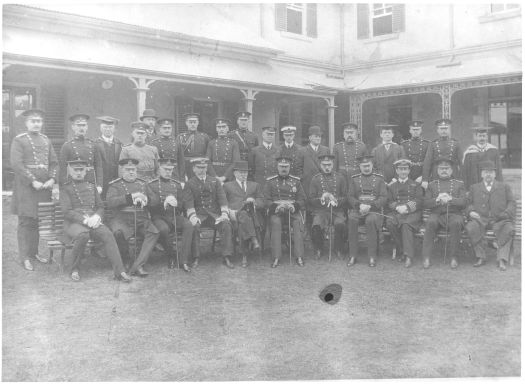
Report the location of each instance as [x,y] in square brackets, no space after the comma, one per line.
[259,323]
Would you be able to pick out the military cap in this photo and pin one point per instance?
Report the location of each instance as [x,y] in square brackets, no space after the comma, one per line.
[128,161]
[283,160]
[164,121]
[349,125]
[314,130]
[288,129]
[138,125]
[243,114]
[33,112]
[442,122]
[221,121]
[441,160]
[190,115]
[78,117]
[269,129]
[167,161]
[365,159]
[415,123]
[481,129]
[240,165]
[108,119]
[198,161]
[326,157]
[148,113]
[79,163]
[487,165]
[383,127]
[402,163]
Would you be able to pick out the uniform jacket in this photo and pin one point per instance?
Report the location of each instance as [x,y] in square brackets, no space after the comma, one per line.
[384,160]
[345,157]
[498,204]
[311,165]
[280,188]
[448,148]
[246,140]
[416,150]
[334,183]
[222,152]
[169,147]
[29,151]
[163,188]
[81,149]
[368,189]
[236,196]
[110,154]
[147,155]
[119,197]
[294,153]
[262,163]
[206,197]
[405,193]
[80,198]
[194,144]
[474,155]
[454,188]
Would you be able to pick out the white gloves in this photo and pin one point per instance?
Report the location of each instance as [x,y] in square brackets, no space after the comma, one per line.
[170,200]
[93,221]
[194,220]
[139,199]
[364,208]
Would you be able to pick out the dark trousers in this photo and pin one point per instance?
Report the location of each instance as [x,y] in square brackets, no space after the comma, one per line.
[27,236]
[321,220]
[436,221]
[225,230]
[150,233]
[402,228]
[503,230]
[276,226]
[166,227]
[373,224]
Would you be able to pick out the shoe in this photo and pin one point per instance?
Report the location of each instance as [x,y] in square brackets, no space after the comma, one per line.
[502,266]
[351,261]
[408,262]
[479,263]
[140,272]
[255,244]
[453,263]
[372,262]
[275,263]
[195,263]
[172,264]
[228,262]
[186,268]
[43,260]
[75,276]
[28,266]
[317,254]
[426,263]
[300,262]
[124,277]
[244,263]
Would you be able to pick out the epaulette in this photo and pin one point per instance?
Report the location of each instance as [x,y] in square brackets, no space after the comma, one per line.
[314,176]
[127,145]
[22,134]
[151,181]
[271,177]
[294,177]
[139,179]
[68,182]
[428,141]
[405,141]
[461,181]
[114,181]
[377,174]
[177,181]
[356,175]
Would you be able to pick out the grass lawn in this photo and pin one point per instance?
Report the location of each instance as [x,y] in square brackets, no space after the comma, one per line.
[259,323]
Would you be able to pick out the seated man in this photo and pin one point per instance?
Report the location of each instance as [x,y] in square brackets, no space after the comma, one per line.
[168,196]
[83,212]
[327,199]
[285,198]
[491,205]
[128,196]
[206,204]
[245,198]
[366,196]
[405,198]
[446,197]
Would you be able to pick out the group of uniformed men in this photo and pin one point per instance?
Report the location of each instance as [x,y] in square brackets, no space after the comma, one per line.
[160,183]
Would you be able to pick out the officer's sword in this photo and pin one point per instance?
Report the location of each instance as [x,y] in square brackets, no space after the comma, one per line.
[330,236]
[290,235]
[176,235]
[446,238]
[135,233]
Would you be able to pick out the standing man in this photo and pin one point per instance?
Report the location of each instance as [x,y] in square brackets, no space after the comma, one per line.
[491,205]
[245,199]
[81,148]
[127,197]
[416,149]
[149,118]
[367,195]
[222,152]
[262,159]
[83,213]
[327,196]
[109,148]
[442,147]
[245,138]
[348,151]
[169,147]
[446,198]
[478,153]
[194,143]
[167,203]
[310,156]
[291,150]
[147,155]
[405,199]
[284,196]
[206,204]
[35,165]
[386,153]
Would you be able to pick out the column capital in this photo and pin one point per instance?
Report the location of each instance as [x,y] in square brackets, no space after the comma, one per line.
[141,83]
[249,94]
[330,102]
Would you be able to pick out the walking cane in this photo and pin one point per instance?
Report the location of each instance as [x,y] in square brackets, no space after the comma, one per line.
[330,236]
[290,235]
[176,239]
[135,233]
[446,238]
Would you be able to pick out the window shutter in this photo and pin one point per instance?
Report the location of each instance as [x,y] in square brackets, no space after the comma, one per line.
[311,20]
[398,18]
[363,21]
[53,102]
[280,17]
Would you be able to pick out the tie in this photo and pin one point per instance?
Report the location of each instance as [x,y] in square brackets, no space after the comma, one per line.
[489,186]
[244,186]
[387,146]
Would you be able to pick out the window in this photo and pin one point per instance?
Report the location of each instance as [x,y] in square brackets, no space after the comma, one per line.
[495,8]
[297,18]
[379,19]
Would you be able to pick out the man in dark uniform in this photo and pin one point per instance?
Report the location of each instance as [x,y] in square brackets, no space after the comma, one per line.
[35,165]
[169,147]
[245,139]
[261,159]
[491,205]
[146,154]
[149,118]
[245,199]
[222,152]
[194,143]
[328,191]
[168,196]
[127,197]
[478,153]
[206,204]
[81,148]
[415,150]
[446,198]
[348,151]
[285,198]
[291,150]
[83,211]
[442,147]
[109,148]
[310,156]
[367,195]
[386,153]
[405,200]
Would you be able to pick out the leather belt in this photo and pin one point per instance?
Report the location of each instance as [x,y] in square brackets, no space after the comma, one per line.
[220,164]
[37,166]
